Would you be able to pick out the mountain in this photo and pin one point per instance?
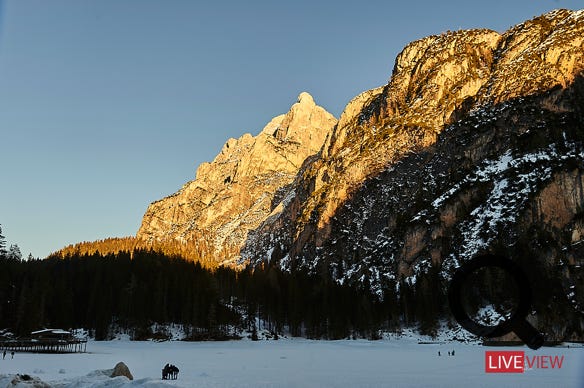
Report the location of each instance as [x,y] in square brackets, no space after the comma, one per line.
[475,145]
[447,150]
[237,191]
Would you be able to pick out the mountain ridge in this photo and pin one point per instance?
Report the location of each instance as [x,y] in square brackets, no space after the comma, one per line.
[437,81]
[485,155]
[388,112]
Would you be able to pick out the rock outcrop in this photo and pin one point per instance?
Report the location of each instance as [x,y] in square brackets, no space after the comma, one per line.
[122,369]
[235,193]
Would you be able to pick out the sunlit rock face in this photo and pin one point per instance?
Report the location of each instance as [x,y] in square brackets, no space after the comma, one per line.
[234,193]
[474,145]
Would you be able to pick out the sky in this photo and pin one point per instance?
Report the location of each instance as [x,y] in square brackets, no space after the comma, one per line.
[109,105]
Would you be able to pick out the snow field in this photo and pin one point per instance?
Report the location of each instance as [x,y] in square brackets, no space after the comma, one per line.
[290,363]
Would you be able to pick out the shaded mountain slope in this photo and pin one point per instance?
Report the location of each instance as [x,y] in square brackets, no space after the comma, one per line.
[475,145]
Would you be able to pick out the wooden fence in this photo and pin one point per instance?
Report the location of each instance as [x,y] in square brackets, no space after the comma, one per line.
[44,345]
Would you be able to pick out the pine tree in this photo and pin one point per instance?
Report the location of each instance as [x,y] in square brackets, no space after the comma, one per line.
[3,251]
[14,253]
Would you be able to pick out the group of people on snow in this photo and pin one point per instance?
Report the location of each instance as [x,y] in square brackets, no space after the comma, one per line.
[170,372]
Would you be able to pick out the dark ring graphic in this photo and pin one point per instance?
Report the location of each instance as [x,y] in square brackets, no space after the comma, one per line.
[517,323]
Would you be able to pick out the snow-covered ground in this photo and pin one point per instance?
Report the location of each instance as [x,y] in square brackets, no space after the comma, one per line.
[291,363]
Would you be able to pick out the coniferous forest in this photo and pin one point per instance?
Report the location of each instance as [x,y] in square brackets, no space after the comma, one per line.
[121,284]
[130,291]
[134,289]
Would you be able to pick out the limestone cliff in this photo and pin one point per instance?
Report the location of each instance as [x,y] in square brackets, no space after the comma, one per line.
[234,193]
[474,145]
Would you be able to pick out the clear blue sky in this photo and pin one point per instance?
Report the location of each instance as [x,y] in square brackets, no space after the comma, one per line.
[108,105]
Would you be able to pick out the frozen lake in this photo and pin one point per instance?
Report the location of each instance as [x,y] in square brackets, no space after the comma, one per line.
[291,363]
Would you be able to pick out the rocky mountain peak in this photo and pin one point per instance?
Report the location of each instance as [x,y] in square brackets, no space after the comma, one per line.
[296,125]
[236,191]
[305,98]
[536,55]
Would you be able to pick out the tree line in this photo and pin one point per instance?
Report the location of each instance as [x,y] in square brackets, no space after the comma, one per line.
[132,290]
[196,249]
[131,285]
